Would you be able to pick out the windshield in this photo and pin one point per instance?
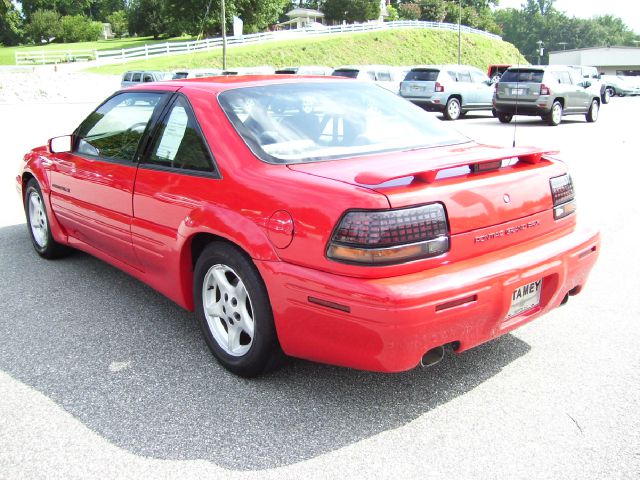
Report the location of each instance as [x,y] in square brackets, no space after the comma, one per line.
[315,121]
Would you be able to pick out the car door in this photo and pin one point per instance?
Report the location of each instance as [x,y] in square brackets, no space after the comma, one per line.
[483,90]
[175,178]
[466,88]
[92,186]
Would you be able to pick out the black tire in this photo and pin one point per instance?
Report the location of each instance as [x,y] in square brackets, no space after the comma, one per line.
[612,91]
[452,109]
[494,112]
[38,224]
[243,309]
[594,110]
[555,115]
[504,117]
[606,96]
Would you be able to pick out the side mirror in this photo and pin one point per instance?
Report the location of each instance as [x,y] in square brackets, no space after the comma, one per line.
[586,84]
[60,144]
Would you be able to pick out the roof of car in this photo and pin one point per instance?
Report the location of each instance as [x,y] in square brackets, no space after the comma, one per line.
[228,82]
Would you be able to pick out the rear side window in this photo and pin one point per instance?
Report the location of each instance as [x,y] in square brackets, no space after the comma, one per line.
[136,77]
[464,77]
[127,77]
[422,75]
[179,143]
[384,76]
[562,77]
[522,75]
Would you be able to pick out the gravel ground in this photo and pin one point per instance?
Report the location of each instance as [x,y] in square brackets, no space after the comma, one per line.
[47,85]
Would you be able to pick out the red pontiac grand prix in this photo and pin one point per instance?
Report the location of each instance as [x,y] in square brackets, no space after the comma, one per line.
[325,219]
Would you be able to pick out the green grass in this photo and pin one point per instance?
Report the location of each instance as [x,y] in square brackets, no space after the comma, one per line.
[7,54]
[398,47]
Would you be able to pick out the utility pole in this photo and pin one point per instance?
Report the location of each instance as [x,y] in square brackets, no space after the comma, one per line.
[459,33]
[224,37]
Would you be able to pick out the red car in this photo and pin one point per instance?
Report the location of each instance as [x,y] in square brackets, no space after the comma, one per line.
[325,219]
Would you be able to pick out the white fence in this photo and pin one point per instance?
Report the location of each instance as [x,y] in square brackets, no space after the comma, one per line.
[177,48]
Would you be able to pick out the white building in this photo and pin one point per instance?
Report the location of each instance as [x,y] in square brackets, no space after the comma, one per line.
[608,60]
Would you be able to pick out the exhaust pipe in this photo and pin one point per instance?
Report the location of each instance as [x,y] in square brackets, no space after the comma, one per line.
[432,357]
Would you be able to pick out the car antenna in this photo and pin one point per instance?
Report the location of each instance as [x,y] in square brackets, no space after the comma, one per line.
[515,114]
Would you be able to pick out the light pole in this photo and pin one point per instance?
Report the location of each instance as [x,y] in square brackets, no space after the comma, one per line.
[540,50]
[224,37]
[459,22]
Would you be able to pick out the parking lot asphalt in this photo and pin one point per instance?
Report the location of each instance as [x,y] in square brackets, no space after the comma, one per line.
[100,376]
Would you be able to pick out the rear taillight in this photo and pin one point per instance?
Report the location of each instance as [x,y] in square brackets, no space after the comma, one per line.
[439,87]
[383,237]
[564,202]
[544,90]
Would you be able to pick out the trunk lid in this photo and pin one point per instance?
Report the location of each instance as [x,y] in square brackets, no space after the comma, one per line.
[474,199]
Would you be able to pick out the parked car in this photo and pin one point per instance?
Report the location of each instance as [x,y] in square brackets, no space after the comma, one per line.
[620,86]
[136,77]
[451,89]
[324,218]
[305,70]
[591,75]
[494,72]
[259,70]
[546,91]
[196,73]
[386,76]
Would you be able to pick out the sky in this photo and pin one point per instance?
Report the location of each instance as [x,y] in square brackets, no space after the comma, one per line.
[627,10]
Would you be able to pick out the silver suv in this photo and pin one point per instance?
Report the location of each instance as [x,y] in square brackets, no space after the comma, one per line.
[136,77]
[450,89]
[591,74]
[547,91]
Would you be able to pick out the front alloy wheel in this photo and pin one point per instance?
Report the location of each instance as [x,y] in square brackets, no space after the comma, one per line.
[594,109]
[38,223]
[555,116]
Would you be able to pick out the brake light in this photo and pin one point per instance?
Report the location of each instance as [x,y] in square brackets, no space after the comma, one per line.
[544,90]
[383,237]
[439,87]
[563,196]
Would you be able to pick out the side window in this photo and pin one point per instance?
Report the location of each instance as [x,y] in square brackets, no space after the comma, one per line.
[136,77]
[147,77]
[453,75]
[371,74]
[384,76]
[464,77]
[114,130]
[127,77]
[478,77]
[179,143]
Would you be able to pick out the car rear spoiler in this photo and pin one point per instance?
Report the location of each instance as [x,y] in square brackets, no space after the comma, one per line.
[469,158]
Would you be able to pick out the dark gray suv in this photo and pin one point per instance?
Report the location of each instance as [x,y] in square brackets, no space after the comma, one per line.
[549,91]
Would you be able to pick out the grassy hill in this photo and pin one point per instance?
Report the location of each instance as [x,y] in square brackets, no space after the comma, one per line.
[398,47]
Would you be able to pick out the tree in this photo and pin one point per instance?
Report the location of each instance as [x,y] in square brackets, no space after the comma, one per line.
[78,28]
[44,25]
[119,23]
[409,11]
[10,23]
[351,10]
[147,17]
[432,10]
[257,15]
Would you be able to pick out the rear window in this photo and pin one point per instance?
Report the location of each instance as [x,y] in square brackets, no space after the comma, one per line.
[343,72]
[522,75]
[317,121]
[286,71]
[422,75]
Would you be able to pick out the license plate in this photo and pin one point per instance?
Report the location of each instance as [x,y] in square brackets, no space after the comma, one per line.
[416,88]
[525,298]
[517,91]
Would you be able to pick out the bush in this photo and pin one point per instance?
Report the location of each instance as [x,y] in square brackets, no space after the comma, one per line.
[78,28]
[119,23]
[44,25]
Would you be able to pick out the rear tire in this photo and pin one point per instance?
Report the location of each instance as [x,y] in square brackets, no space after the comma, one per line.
[555,115]
[594,110]
[606,96]
[612,91]
[504,117]
[452,109]
[233,310]
[39,225]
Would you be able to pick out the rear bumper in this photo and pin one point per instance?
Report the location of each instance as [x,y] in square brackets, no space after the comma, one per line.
[523,109]
[430,104]
[393,321]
